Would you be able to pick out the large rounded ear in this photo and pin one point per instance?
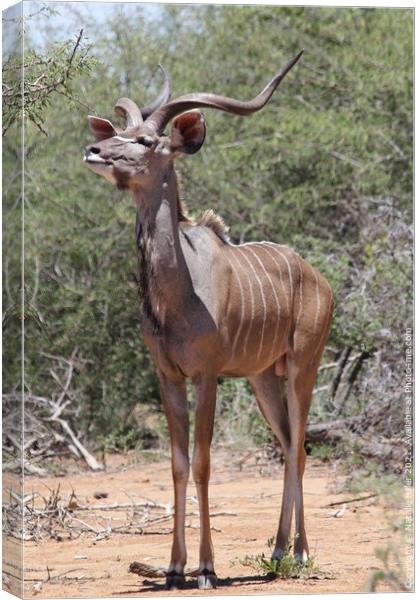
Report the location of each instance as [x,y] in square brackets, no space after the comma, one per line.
[102,129]
[188,132]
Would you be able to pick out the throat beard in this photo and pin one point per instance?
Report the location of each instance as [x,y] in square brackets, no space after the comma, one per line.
[122,182]
[148,289]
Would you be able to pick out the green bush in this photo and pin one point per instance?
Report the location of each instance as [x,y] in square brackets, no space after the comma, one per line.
[326,167]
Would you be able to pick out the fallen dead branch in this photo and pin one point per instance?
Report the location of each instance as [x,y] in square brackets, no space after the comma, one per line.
[57,517]
[363,433]
[125,505]
[360,499]
[145,570]
[347,433]
[212,527]
[67,578]
[50,423]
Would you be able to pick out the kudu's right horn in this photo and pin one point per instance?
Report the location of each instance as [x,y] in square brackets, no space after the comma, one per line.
[161,117]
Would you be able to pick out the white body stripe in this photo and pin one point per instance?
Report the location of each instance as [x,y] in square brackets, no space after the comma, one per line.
[252,300]
[286,296]
[273,247]
[321,337]
[241,291]
[318,300]
[262,298]
[275,298]
[300,294]
[258,243]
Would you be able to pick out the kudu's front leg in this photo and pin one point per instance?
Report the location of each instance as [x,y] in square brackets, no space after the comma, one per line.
[174,397]
[206,388]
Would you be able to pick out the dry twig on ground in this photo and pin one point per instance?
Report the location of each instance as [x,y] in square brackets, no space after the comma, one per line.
[49,422]
[66,517]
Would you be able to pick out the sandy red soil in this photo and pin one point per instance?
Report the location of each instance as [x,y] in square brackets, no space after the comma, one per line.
[343,544]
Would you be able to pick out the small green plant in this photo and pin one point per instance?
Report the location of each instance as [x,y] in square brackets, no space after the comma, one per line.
[127,437]
[372,477]
[322,452]
[289,567]
[392,574]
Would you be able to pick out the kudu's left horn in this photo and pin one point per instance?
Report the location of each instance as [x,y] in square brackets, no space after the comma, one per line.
[163,98]
[134,115]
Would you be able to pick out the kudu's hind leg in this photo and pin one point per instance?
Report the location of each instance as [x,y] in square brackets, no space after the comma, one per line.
[301,380]
[174,397]
[206,389]
[285,405]
[271,393]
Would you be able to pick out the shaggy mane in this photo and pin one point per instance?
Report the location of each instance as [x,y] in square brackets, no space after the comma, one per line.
[211,220]
[208,219]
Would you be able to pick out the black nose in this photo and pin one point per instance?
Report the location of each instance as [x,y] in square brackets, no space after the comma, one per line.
[93,149]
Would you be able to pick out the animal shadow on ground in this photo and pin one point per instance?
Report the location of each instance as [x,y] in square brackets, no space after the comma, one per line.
[149,585]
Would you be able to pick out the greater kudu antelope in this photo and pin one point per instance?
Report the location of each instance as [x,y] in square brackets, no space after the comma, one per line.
[210,307]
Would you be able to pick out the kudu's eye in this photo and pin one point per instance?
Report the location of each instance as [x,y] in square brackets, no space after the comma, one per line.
[145,141]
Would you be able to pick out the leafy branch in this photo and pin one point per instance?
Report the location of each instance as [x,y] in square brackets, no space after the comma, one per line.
[29,82]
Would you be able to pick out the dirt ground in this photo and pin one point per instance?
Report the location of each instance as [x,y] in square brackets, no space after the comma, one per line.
[245,498]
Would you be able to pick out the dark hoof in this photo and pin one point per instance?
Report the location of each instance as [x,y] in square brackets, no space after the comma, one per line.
[174,581]
[207,580]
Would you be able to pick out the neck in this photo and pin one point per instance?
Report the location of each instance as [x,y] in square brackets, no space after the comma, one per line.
[165,283]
